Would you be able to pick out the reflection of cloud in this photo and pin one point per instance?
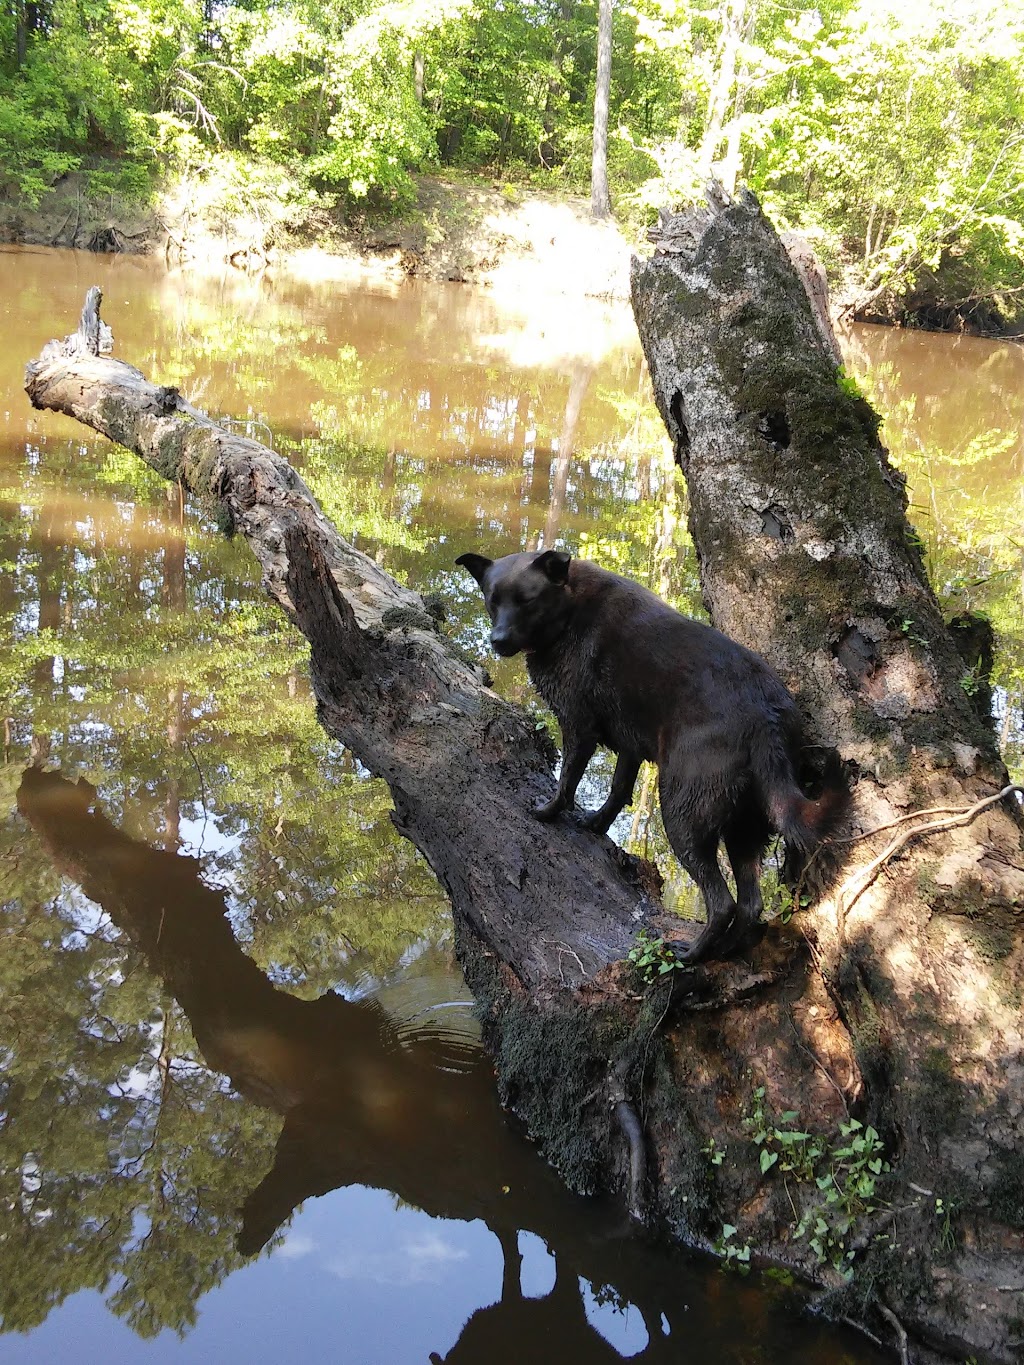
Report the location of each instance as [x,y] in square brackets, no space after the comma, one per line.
[420,1260]
[295,1244]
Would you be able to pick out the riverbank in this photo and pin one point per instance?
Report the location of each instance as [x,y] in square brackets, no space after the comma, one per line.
[459,229]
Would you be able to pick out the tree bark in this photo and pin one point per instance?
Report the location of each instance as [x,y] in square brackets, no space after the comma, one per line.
[907,1010]
[600,198]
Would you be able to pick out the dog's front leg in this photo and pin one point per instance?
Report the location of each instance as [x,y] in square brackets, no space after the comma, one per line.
[577,751]
[627,766]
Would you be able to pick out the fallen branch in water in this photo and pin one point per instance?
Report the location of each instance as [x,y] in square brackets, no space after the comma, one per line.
[553,904]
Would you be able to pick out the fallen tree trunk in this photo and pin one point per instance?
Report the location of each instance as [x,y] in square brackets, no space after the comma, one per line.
[805,555]
[462,765]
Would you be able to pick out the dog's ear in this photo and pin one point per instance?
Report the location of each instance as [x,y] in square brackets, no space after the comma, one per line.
[554,564]
[476,564]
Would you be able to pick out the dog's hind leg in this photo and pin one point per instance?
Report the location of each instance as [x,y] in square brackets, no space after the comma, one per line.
[745,837]
[627,766]
[700,858]
[698,853]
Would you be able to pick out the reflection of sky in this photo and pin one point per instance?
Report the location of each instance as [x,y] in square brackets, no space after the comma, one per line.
[328,1290]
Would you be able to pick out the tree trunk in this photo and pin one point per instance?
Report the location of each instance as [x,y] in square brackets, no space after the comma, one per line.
[20,34]
[905,1010]
[720,99]
[600,198]
[418,74]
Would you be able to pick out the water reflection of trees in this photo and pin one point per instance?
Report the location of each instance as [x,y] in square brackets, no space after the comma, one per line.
[153,1138]
[953,424]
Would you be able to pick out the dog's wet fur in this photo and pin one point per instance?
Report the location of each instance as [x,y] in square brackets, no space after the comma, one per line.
[622,669]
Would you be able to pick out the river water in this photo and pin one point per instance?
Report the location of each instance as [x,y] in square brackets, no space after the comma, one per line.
[244,1114]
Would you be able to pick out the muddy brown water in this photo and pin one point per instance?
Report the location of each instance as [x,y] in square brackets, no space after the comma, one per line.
[244,1113]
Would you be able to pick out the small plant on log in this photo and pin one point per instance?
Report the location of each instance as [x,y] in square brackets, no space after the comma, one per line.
[786,901]
[847,1175]
[652,957]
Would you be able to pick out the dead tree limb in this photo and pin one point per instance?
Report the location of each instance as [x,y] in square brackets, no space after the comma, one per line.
[555,904]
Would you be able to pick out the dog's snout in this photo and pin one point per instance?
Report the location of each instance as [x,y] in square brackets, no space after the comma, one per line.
[504,643]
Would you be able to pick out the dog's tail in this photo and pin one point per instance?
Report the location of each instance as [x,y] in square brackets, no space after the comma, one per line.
[805,822]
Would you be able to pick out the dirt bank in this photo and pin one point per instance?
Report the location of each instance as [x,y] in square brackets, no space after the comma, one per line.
[464,230]
[459,228]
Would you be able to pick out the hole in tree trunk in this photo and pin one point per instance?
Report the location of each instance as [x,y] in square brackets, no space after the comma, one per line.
[680,432]
[774,427]
[857,654]
[774,522]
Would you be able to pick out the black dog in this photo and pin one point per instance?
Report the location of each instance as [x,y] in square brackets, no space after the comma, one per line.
[620,668]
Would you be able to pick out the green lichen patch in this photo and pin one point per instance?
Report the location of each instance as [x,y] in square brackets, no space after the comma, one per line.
[408,618]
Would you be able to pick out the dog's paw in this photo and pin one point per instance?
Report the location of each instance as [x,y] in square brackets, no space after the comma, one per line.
[595,822]
[548,811]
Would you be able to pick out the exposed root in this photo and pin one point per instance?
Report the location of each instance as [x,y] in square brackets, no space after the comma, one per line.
[628,1122]
[919,814]
[859,1327]
[849,895]
[901,1333]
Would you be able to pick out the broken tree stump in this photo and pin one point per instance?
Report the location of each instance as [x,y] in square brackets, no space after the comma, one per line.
[805,554]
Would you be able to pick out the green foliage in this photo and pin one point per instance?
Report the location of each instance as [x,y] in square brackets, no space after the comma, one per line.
[889,133]
[734,1256]
[843,1174]
[848,384]
[946,1211]
[652,957]
[715,1154]
[778,895]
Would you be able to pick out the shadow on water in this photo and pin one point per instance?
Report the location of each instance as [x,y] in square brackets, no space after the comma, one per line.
[363,1106]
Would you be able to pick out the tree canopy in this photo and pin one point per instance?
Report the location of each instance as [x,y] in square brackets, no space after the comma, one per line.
[889,132]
